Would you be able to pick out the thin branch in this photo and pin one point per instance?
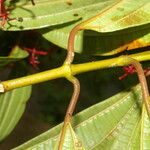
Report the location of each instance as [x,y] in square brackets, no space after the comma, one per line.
[70,110]
[63,71]
[143,82]
[71,40]
[75,82]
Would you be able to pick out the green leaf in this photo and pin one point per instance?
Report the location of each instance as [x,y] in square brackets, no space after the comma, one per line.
[12,105]
[145,130]
[115,123]
[71,142]
[16,54]
[125,25]
[122,15]
[49,13]
[90,42]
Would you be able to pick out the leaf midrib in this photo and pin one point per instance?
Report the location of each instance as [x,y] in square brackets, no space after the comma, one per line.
[113,129]
[127,15]
[64,12]
[110,9]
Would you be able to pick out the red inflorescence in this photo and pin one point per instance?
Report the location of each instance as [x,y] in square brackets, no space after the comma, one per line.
[131,70]
[3,13]
[128,70]
[34,56]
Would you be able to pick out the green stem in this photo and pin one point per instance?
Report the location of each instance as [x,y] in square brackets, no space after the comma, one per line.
[64,71]
[108,63]
[35,78]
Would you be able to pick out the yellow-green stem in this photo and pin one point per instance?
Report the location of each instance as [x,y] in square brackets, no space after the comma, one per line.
[64,71]
[108,63]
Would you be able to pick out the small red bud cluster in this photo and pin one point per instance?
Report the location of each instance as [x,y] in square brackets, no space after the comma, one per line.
[131,70]
[33,59]
[4,14]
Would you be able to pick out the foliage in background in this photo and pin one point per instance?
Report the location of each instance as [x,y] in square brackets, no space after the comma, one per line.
[118,26]
[12,105]
[112,124]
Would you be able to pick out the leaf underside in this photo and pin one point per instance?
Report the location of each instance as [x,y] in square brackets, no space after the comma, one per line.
[116,123]
[49,13]
[111,15]
[12,105]
[122,25]
[90,42]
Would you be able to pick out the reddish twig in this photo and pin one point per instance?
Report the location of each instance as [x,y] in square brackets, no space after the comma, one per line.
[4,14]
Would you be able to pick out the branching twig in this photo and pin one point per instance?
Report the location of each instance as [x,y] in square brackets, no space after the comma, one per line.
[75,69]
[75,82]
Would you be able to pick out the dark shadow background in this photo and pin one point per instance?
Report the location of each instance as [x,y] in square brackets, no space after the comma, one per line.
[48,103]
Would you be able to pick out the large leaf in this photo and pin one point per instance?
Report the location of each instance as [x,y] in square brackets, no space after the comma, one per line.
[127,17]
[89,42]
[49,13]
[12,105]
[123,15]
[16,54]
[54,12]
[116,123]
